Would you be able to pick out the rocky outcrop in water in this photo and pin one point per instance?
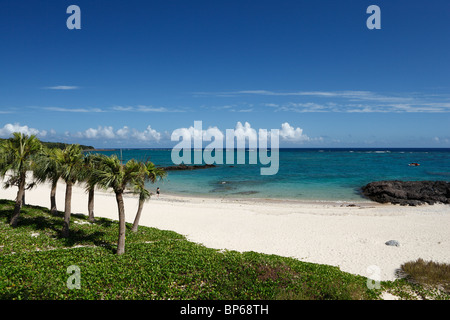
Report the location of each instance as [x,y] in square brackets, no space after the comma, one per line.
[186,167]
[408,192]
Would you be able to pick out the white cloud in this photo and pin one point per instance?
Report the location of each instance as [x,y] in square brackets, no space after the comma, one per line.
[76,110]
[151,109]
[196,133]
[143,108]
[345,94]
[100,132]
[120,108]
[212,132]
[9,129]
[148,134]
[349,101]
[442,140]
[348,94]
[225,107]
[62,88]
[140,108]
[292,134]
[124,133]
[305,107]
[243,131]
[241,107]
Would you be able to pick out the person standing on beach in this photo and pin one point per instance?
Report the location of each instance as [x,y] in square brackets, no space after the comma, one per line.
[157,192]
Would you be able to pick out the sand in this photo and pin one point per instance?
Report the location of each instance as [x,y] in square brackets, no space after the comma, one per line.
[339,234]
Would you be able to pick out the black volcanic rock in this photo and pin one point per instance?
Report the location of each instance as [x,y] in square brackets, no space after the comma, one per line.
[186,167]
[408,192]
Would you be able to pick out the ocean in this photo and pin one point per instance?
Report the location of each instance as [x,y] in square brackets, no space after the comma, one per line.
[304,174]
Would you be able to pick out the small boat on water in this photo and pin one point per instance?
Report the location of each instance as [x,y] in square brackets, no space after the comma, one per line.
[414,164]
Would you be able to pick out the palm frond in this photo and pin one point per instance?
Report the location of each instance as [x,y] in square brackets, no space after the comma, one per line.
[18,154]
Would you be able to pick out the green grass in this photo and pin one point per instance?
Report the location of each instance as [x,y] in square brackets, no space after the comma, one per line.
[157,264]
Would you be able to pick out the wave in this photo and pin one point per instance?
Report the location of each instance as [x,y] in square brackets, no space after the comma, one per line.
[447,174]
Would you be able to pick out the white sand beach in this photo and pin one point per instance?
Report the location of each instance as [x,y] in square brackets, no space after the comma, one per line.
[351,237]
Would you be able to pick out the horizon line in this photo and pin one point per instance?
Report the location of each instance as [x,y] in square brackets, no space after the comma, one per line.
[257,148]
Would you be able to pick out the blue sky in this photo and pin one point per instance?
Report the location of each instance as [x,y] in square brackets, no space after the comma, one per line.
[137,70]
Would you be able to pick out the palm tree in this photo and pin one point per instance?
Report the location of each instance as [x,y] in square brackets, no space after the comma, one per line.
[48,167]
[16,156]
[148,172]
[72,163]
[111,173]
[144,195]
[91,161]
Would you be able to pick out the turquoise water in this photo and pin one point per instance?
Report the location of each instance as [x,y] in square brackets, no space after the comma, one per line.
[304,174]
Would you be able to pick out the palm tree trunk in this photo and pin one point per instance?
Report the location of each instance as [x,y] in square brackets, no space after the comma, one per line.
[91,205]
[138,215]
[121,241]
[67,210]
[19,201]
[53,209]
